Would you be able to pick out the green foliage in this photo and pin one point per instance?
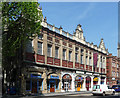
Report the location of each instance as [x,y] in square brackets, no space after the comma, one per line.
[20,21]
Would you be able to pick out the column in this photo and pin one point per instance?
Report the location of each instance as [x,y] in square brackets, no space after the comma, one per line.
[92,82]
[84,83]
[99,80]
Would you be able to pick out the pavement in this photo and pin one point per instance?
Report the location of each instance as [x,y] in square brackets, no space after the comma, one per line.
[58,95]
[47,94]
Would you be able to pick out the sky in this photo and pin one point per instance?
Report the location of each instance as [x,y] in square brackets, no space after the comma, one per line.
[98,20]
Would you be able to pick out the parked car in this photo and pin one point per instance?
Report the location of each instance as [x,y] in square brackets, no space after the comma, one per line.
[11,90]
[103,90]
[116,88]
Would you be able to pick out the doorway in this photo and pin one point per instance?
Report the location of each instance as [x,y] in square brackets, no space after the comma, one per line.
[78,86]
[52,87]
[66,86]
[34,86]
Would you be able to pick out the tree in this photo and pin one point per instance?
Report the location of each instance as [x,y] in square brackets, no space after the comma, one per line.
[21,20]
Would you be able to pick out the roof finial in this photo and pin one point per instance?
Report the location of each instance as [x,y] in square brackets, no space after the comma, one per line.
[45,20]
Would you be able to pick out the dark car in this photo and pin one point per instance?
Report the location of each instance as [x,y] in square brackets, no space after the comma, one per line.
[11,90]
[116,88]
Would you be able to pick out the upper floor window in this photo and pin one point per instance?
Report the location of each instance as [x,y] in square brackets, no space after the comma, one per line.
[49,50]
[76,49]
[40,48]
[70,55]
[40,36]
[29,46]
[86,60]
[64,54]
[56,52]
[76,57]
[81,59]
[82,51]
[117,66]
[90,61]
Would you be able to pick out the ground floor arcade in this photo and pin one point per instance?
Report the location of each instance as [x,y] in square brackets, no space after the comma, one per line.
[48,80]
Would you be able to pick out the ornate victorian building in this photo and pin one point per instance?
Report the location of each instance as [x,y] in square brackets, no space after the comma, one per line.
[57,61]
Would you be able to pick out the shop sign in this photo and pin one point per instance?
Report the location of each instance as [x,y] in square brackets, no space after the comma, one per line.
[95,79]
[54,77]
[35,76]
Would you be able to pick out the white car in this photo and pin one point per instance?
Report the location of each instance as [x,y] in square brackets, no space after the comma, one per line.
[102,89]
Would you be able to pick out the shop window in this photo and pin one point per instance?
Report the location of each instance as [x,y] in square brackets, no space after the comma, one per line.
[40,85]
[57,84]
[48,84]
[28,85]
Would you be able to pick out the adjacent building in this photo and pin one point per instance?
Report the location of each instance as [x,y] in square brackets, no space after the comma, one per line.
[112,70]
[57,61]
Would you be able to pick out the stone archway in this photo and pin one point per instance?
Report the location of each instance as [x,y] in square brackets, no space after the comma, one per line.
[66,80]
[79,82]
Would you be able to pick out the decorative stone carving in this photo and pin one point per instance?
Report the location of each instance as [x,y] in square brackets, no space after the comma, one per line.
[102,46]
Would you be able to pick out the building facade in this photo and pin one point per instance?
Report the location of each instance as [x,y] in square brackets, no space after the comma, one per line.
[112,70]
[57,61]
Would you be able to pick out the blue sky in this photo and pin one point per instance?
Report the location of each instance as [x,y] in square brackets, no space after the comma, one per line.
[98,20]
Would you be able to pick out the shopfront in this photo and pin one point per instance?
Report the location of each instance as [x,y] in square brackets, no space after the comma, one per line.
[79,83]
[67,82]
[88,83]
[95,80]
[53,83]
[34,84]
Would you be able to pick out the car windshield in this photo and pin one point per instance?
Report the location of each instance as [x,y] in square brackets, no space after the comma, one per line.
[96,87]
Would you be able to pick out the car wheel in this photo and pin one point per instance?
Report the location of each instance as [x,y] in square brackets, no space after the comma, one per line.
[94,94]
[103,93]
[113,93]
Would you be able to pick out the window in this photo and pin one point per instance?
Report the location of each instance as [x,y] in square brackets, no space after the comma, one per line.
[82,50]
[76,57]
[27,84]
[64,54]
[117,66]
[29,47]
[86,60]
[70,54]
[40,36]
[49,50]
[81,59]
[76,49]
[40,49]
[117,74]
[90,62]
[57,84]
[56,52]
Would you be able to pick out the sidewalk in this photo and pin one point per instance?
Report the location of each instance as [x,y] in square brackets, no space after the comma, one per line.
[47,94]
[65,93]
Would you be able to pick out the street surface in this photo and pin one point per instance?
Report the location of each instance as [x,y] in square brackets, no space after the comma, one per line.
[117,95]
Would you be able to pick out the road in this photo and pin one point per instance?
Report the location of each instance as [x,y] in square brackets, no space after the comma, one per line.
[117,95]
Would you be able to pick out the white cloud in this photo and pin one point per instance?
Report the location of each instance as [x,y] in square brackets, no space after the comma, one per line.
[86,11]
